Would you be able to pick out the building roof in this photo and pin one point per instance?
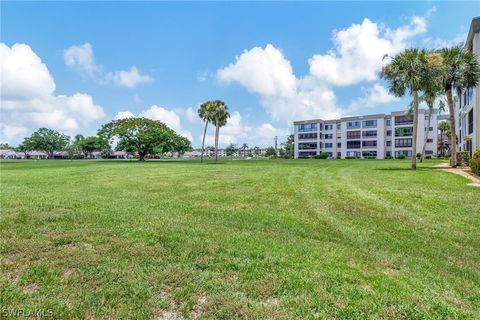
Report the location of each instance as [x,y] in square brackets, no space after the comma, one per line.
[474,28]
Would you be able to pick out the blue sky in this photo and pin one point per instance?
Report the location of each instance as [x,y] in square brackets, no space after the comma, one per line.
[73,66]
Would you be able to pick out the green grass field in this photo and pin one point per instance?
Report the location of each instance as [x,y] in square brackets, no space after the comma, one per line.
[306,239]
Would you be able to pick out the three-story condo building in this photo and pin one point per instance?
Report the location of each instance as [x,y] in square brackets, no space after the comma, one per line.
[467,104]
[372,136]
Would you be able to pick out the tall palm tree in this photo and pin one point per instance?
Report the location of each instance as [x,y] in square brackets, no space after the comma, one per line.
[460,70]
[409,71]
[444,127]
[219,117]
[205,113]
[244,147]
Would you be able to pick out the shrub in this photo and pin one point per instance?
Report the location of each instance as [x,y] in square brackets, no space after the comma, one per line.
[388,157]
[475,162]
[350,158]
[401,156]
[419,155]
[428,157]
[463,158]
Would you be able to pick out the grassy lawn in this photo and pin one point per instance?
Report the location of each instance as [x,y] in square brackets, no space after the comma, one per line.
[306,239]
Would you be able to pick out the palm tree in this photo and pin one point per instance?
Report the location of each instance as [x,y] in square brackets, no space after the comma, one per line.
[460,70]
[244,147]
[444,127]
[205,113]
[219,116]
[409,71]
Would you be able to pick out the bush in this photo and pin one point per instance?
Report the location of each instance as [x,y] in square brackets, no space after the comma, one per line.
[475,162]
[388,157]
[428,157]
[463,158]
[419,155]
[401,156]
[350,158]
[370,157]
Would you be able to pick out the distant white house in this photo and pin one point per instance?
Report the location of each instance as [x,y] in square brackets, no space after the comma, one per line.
[8,154]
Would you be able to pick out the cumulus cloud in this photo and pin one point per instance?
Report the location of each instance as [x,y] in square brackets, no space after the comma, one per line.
[374,96]
[359,50]
[123,115]
[28,97]
[130,78]
[237,131]
[82,59]
[9,133]
[261,70]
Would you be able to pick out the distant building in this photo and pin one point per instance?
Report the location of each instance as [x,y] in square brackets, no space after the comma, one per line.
[8,154]
[371,136]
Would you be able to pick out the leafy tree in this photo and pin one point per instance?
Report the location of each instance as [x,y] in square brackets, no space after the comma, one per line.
[271,152]
[459,70]
[231,149]
[205,112]
[288,147]
[46,140]
[144,136]
[73,151]
[90,144]
[106,152]
[410,70]
[4,146]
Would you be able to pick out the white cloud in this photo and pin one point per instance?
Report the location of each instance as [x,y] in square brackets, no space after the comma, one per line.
[28,99]
[438,43]
[82,59]
[130,78]
[263,71]
[123,115]
[236,131]
[9,133]
[374,96]
[192,115]
[23,75]
[359,51]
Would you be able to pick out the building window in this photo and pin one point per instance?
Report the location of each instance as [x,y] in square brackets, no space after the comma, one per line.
[338,126]
[307,127]
[339,154]
[470,122]
[401,120]
[307,153]
[328,127]
[369,143]
[339,145]
[328,136]
[389,133]
[307,145]
[388,154]
[429,152]
[389,143]
[370,123]
[353,154]
[469,96]
[406,153]
[429,140]
[353,134]
[403,143]
[355,144]
[328,145]
[369,133]
[404,132]
[353,124]
[389,122]
[303,136]
[369,154]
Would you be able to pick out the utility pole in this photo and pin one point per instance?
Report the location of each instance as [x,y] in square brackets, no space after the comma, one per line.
[275,143]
